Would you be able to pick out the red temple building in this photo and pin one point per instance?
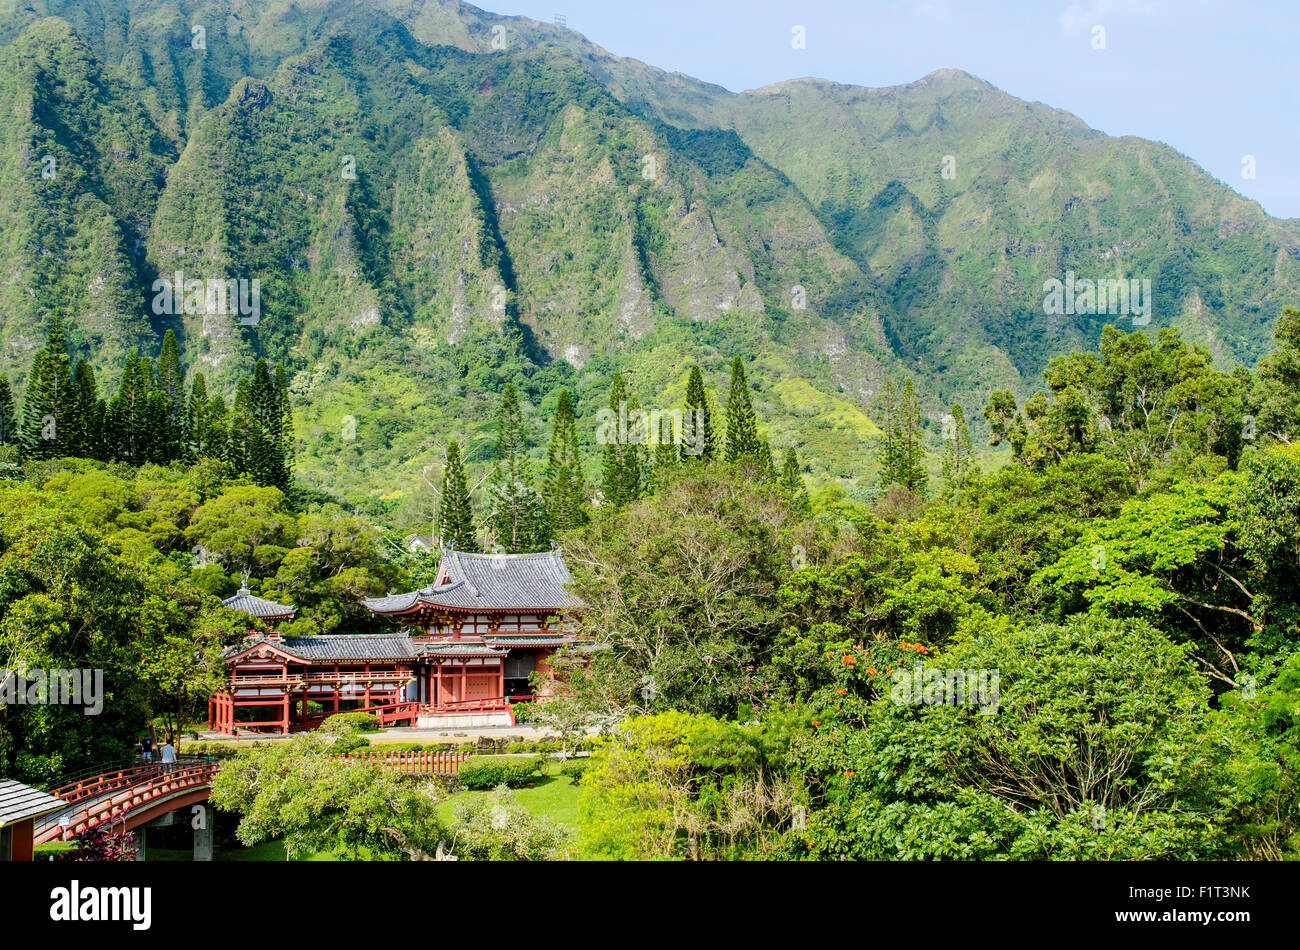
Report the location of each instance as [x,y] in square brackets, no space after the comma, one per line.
[472,640]
[488,622]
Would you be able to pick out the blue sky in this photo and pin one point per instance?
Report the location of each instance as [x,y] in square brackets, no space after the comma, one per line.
[1217,80]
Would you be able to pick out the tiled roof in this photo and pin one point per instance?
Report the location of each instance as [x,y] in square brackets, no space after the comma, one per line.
[460,649]
[507,641]
[394,603]
[19,801]
[258,607]
[491,581]
[339,647]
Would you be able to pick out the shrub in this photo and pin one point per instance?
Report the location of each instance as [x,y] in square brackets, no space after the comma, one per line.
[490,771]
[574,769]
[351,722]
[215,750]
[495,827]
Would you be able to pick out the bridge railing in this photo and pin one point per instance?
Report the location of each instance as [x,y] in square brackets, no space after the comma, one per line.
[105,780]
[147,789]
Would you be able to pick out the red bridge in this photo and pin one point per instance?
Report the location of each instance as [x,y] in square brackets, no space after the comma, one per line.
[133,796]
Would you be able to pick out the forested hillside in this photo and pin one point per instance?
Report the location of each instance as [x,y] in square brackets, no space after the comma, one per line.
[435,201]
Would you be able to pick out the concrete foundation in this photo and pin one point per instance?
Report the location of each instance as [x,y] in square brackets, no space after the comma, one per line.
[463,720]
[203,832]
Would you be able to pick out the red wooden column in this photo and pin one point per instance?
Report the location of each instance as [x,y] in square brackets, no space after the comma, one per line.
[501,680]
[464,680]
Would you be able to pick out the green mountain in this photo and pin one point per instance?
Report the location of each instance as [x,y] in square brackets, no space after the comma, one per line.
[434,201]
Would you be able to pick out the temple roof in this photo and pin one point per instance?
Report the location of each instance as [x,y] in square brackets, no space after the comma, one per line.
[257,607]
[344,647]
[490,581]
[506,641]
[18,801]
[460,649]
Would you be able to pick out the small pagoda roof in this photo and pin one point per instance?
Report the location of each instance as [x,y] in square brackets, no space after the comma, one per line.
[489,582]
[258,607]
[19,802]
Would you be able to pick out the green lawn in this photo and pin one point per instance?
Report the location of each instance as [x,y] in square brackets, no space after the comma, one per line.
[554,796]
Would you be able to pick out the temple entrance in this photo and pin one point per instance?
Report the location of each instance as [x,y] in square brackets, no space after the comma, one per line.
[519,665]
[462,682]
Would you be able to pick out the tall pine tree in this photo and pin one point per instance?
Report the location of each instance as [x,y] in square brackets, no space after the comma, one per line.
[237,447]
[518,514]
[128,435]
[766,467]
[49,420]
[455,515]
[562,487]
[666,455]
[915,476]
[699,439]
[194,416]
[9,433]
[620,463]
[742,427]
[902,452]
[170,383]
[264,444]
[86,409]
[286,426]
[957,463]
[792,486]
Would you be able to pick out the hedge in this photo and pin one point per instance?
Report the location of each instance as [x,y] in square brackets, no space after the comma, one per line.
[216,750]
[489,771]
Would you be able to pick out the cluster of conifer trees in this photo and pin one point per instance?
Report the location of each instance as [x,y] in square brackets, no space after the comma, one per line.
[902,447]
[638,451]
[152,418]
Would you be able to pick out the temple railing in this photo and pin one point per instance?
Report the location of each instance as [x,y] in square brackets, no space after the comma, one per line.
[410,763]
[492,704]
[384,712]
